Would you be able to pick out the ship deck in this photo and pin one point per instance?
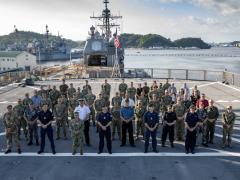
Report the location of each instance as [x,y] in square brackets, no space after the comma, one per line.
[212,163]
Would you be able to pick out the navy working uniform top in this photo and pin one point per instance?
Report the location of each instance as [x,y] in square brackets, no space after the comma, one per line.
[45,117]
[170,117]
[105,118]
[192,119]
[31,115]
[151,119]
[127,112]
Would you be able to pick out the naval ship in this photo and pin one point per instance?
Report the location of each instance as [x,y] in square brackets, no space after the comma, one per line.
[100,48]
[52,50]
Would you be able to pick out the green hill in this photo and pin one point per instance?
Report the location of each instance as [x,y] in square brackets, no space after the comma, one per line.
[24,37]
[154,40]
[191,42]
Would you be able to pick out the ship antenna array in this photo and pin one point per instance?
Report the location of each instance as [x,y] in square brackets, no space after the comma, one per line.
[106,18]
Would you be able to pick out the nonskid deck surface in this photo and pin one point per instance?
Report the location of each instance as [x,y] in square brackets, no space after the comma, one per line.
[126,162]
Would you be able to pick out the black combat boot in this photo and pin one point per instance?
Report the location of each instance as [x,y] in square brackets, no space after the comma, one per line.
[19,151]
[8,151]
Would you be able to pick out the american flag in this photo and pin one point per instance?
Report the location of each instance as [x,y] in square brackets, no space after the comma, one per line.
[117,42]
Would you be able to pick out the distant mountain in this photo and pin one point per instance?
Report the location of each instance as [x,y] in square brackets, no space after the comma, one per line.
[154,40]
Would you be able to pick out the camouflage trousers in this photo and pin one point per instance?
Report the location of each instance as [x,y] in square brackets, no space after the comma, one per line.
[92,115]
[180,128]
[61,123]
[78,140]
[209,132]
[12,137]
[116,124]
[227,135]
[33,130]
[22,124]
[139,127]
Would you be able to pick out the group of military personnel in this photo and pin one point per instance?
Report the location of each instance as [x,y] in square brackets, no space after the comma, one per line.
[155,105]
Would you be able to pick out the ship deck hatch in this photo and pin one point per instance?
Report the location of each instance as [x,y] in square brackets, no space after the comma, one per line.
[97,60]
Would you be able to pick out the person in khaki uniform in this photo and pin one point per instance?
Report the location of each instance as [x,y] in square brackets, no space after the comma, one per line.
[139,113]
[11,128]
[77,131]
[90,98]
[212,115]
[228,122]
[21,122]
[59,114]
[180,110]
[116,120]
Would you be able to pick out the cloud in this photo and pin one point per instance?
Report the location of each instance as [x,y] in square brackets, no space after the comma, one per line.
[224,7]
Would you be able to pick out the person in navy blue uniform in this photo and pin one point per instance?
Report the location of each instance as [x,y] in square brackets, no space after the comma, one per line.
[151,122]
[45,118]
[127,116]
[191,123]
[169,120]
[104,122]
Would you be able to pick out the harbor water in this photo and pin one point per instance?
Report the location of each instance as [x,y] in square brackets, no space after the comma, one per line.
[211,59]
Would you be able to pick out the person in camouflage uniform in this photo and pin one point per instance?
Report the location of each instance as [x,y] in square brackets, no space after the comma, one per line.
[79,93]
[90,98]
[166,86]
[180,110]
[41,91]
[11,128]
[27,100]
[63,88]
[122,88]
[139,113]
[106,89]
[166,101]
[71,91]
[46,100]
[228,122]
[117,99]
[146,89]
[202,116]
[132,92]
[156,103]
[160,91]
[73,103]
[66,104]
[98,104]
[21,122]
[144,100]
[154,91]
[54,95]
[212,115]
[60,116]
[116,120]
[30,116]
[87,86]
[77,132]
[186,101]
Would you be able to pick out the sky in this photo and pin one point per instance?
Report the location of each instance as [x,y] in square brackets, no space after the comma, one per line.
[211,20]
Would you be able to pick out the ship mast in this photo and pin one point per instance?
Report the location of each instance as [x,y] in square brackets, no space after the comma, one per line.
[106,18]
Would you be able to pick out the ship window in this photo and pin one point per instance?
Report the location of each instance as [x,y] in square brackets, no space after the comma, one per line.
[4,69]
[7,59]
[97,60]
[3,59]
